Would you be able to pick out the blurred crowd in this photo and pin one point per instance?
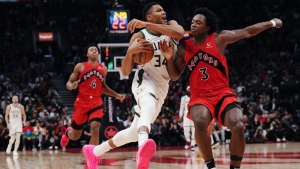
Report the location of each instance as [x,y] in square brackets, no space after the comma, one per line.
[264,70]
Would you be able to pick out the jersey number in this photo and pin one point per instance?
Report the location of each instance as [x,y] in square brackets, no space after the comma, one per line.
[204,73]
[158,61]
[15,116]
[93,84]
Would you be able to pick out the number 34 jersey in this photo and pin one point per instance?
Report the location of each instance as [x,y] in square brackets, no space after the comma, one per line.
[157,67]
[91,79]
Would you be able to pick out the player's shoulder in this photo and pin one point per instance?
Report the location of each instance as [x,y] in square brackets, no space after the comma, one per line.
[140,34]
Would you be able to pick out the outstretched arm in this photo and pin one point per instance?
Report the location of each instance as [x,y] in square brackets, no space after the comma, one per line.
[226,37]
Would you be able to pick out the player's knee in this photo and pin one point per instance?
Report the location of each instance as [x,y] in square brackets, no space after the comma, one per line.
[95,128]
[201,124]
[237,126]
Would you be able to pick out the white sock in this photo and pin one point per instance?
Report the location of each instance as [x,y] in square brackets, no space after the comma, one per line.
[143,136]
[101,149]
[17,143]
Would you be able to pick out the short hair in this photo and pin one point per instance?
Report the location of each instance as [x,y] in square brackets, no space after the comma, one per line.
[88,46]
[210,18]
[15,95]
[146,9]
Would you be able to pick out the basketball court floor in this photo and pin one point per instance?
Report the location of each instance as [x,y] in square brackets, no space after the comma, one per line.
[257,156]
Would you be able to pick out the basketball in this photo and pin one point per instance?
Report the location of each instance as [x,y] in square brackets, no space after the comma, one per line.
[142,57]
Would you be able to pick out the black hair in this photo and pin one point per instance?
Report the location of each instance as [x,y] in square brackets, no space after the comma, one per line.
[15,95]
[146,9]
[210,18]
[88,46]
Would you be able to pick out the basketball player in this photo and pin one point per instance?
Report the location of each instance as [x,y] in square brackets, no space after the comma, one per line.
[15,112]
[188,125]
[211,96]
[89,77]
[150,84]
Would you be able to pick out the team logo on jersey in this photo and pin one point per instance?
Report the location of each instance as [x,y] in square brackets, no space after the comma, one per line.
[99,67]
[201,56]
[209,45]
[91,73]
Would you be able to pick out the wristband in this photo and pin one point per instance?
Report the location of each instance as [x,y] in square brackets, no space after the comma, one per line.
[273,23]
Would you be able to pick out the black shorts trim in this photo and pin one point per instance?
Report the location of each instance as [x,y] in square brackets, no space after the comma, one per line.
[227,108]
[94,109]
[76,126]
[220,103]
[96,119]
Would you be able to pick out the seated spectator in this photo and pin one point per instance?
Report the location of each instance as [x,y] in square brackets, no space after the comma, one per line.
[128,121]
[60,129]
[27,135]
[39,133]
[277,129]
[51,139]
[260,135]
[4,137]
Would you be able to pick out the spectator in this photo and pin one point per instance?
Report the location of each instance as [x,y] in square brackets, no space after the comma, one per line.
[39,133]
[27,136]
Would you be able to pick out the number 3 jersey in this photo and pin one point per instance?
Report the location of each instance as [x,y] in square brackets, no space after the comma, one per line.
[157,67]
[91,79]
[207,66]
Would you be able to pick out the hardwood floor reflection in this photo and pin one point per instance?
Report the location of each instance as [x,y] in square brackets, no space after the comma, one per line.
[257,156]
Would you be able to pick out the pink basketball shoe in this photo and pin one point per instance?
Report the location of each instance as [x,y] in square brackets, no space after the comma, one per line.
[145,153]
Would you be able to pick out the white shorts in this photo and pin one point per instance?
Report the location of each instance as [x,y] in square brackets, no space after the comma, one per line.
[15,129]
[150,87]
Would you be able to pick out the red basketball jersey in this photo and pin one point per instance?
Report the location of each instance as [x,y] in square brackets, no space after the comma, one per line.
[91,79]
[207,66]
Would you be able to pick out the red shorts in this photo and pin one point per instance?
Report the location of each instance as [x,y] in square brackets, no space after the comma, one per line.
[216,102]
[86,109]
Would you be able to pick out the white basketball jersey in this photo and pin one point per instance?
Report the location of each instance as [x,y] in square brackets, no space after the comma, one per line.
[15,115]
[157,67]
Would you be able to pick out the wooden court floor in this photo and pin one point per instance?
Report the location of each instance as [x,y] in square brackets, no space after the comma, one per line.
[257,156]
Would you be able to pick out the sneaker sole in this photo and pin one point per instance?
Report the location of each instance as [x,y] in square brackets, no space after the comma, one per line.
[146,153]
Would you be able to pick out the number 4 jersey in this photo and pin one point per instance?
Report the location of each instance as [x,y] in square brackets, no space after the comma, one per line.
[91,79]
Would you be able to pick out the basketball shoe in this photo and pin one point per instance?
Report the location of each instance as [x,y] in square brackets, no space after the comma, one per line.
[145,153]
[91,160]
[65,139]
